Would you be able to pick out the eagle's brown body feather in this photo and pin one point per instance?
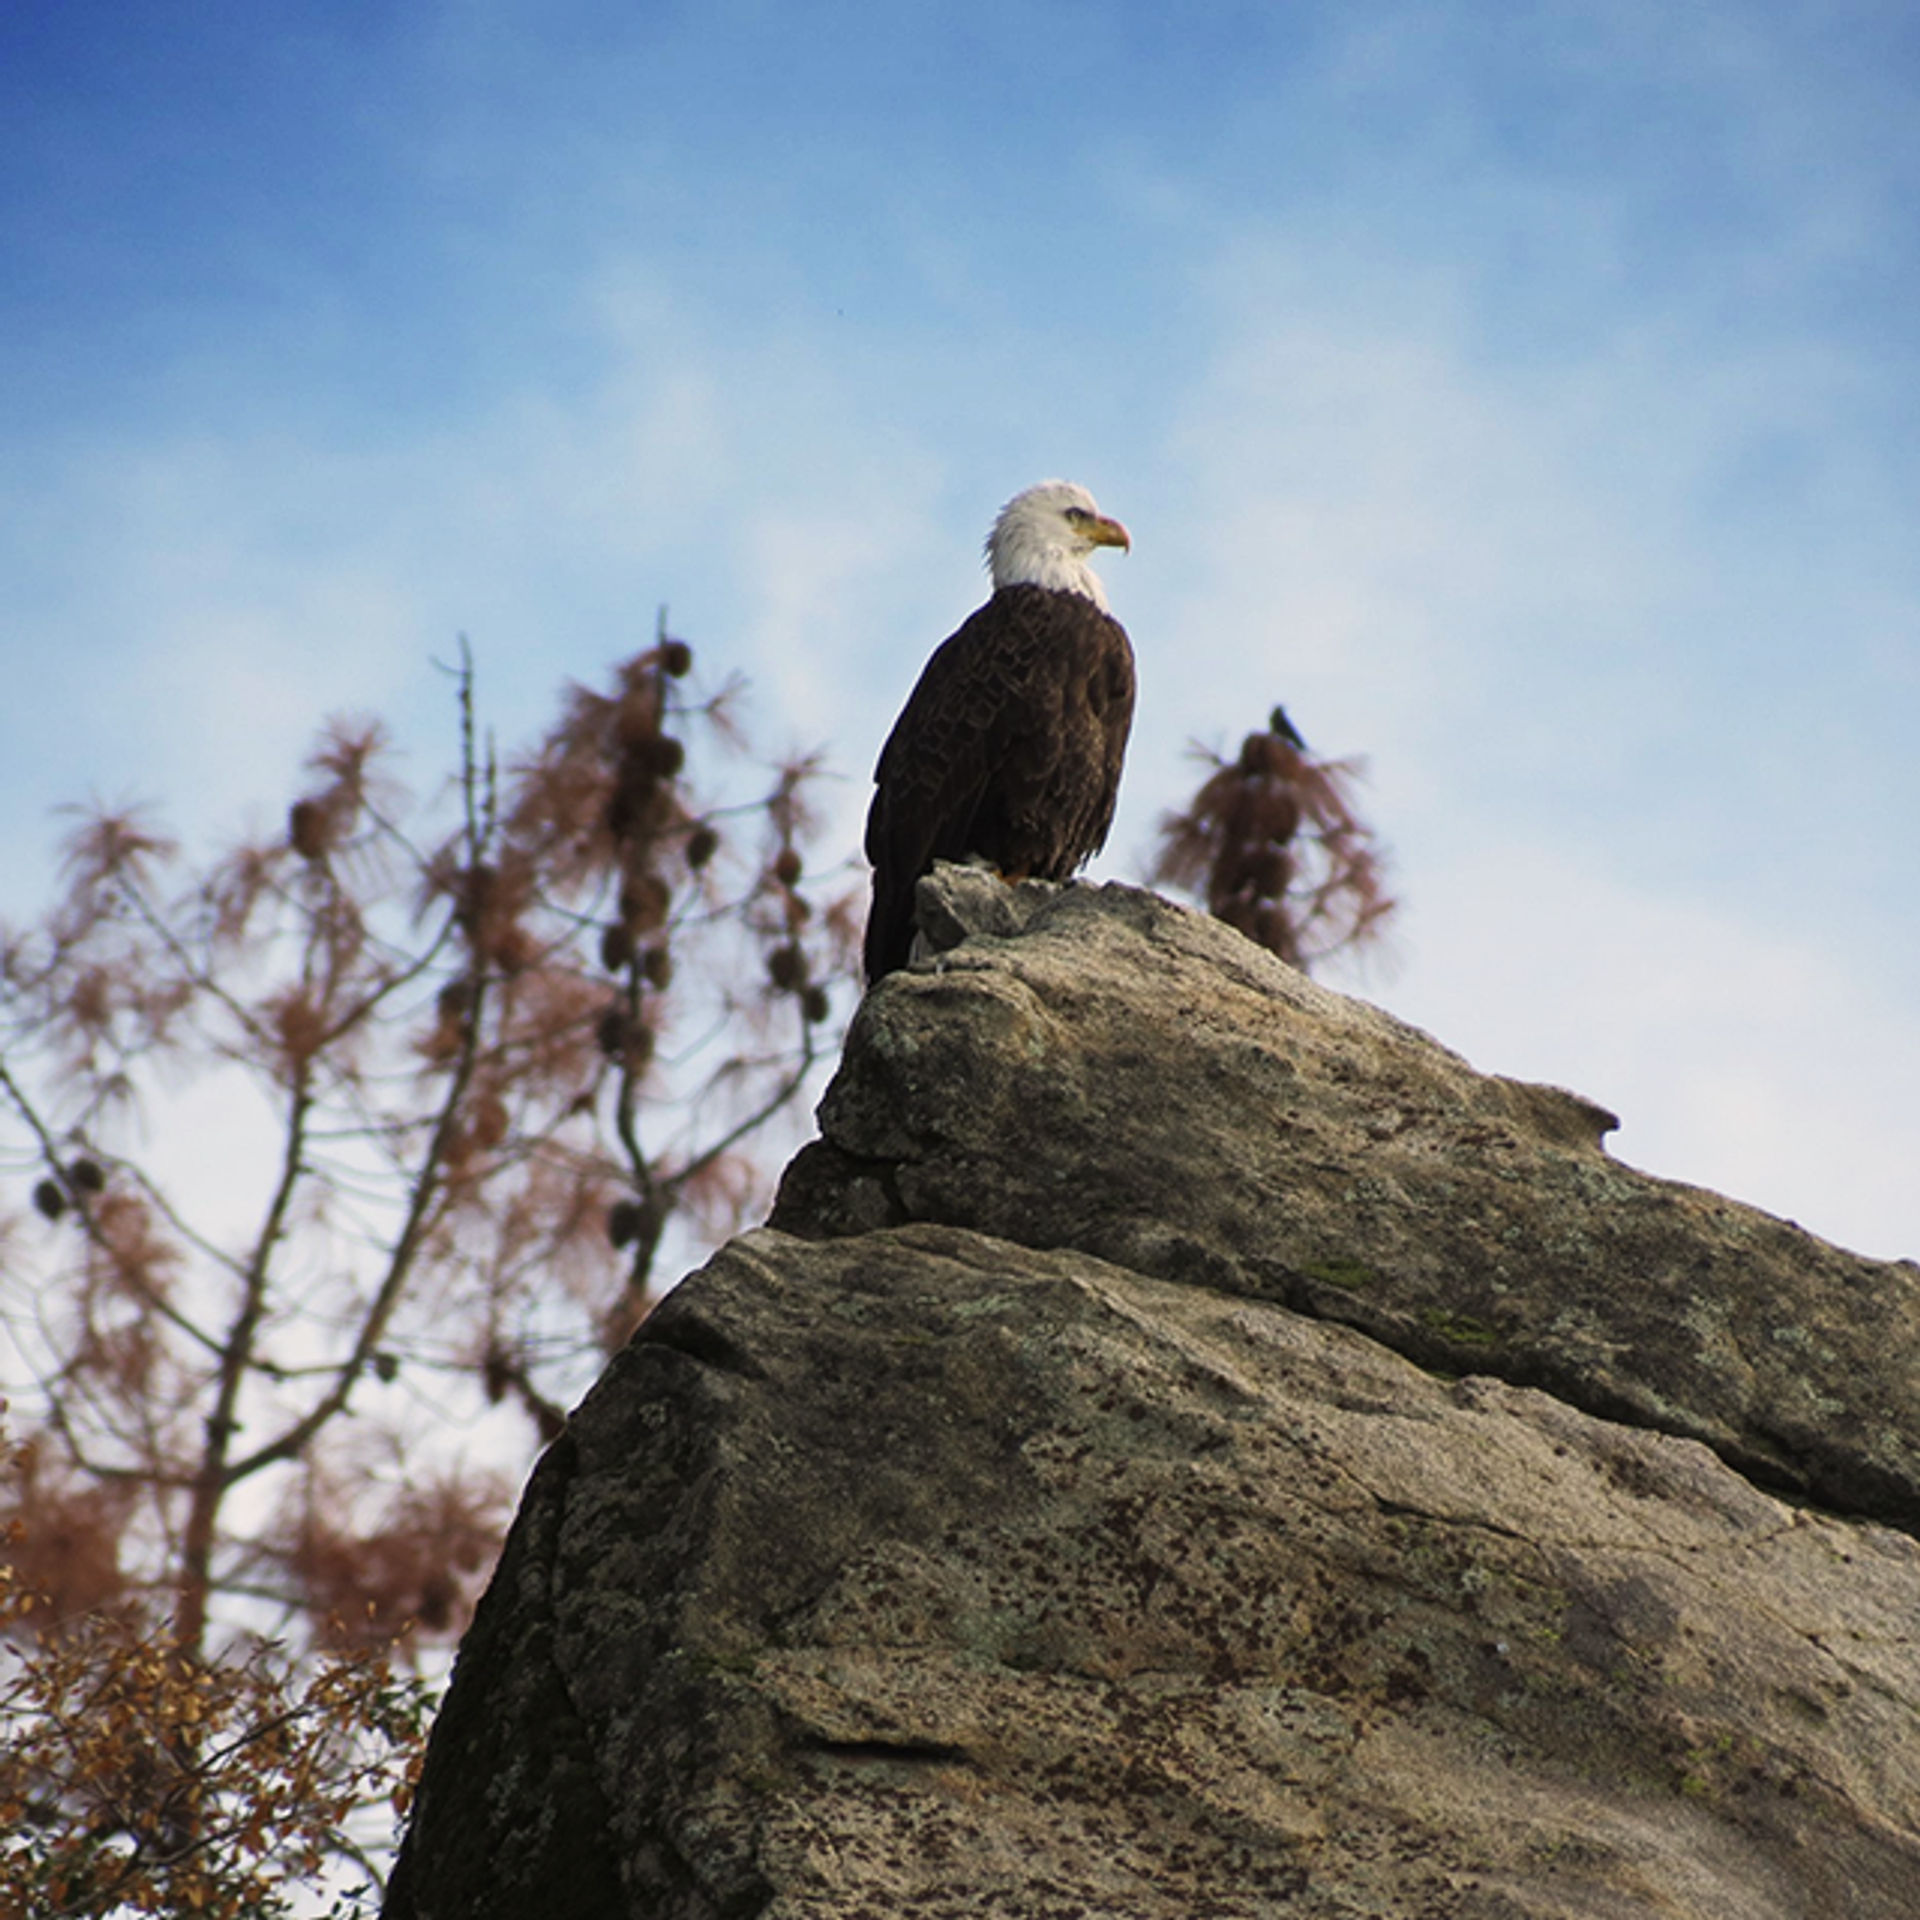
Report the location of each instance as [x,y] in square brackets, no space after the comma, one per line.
[1009,749]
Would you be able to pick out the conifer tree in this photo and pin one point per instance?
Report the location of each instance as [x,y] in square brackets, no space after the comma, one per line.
[315,1159]
[1274,844]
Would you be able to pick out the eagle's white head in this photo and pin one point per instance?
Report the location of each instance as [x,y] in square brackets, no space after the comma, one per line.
[1045,537]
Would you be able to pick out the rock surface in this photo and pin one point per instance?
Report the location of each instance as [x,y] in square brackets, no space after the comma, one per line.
[1028,1540]
[1100,1069]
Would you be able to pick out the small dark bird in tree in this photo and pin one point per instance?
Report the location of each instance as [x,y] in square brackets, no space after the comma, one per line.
[1273,845]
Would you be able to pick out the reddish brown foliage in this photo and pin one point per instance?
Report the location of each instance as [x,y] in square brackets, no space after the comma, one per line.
[136,1779]
[477,1074]
[62,1538]
[420,1566]
[1272,843]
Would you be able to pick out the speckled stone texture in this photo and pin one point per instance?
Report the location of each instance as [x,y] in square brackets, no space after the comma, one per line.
[1029,1540]
[1097,1068]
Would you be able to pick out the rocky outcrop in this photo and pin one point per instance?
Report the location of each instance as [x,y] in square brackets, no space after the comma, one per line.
[1106,1071]
[1015,1529]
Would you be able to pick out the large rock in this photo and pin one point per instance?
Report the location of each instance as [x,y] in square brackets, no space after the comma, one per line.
[914,1567]
[1102,1070]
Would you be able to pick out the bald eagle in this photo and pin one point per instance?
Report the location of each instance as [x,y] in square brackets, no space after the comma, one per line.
[1009,748]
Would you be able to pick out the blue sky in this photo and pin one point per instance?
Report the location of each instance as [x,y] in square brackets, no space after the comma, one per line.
[1529,395]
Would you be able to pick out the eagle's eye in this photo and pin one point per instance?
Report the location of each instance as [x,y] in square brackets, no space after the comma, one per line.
[1077,514]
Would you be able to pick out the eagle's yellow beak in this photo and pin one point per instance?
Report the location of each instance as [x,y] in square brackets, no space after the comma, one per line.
[1108,533]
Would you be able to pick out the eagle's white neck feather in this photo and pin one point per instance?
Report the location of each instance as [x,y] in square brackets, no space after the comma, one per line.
[1033,544]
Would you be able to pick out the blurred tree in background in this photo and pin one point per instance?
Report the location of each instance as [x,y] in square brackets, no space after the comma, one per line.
[331,1155]
[1274,845]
